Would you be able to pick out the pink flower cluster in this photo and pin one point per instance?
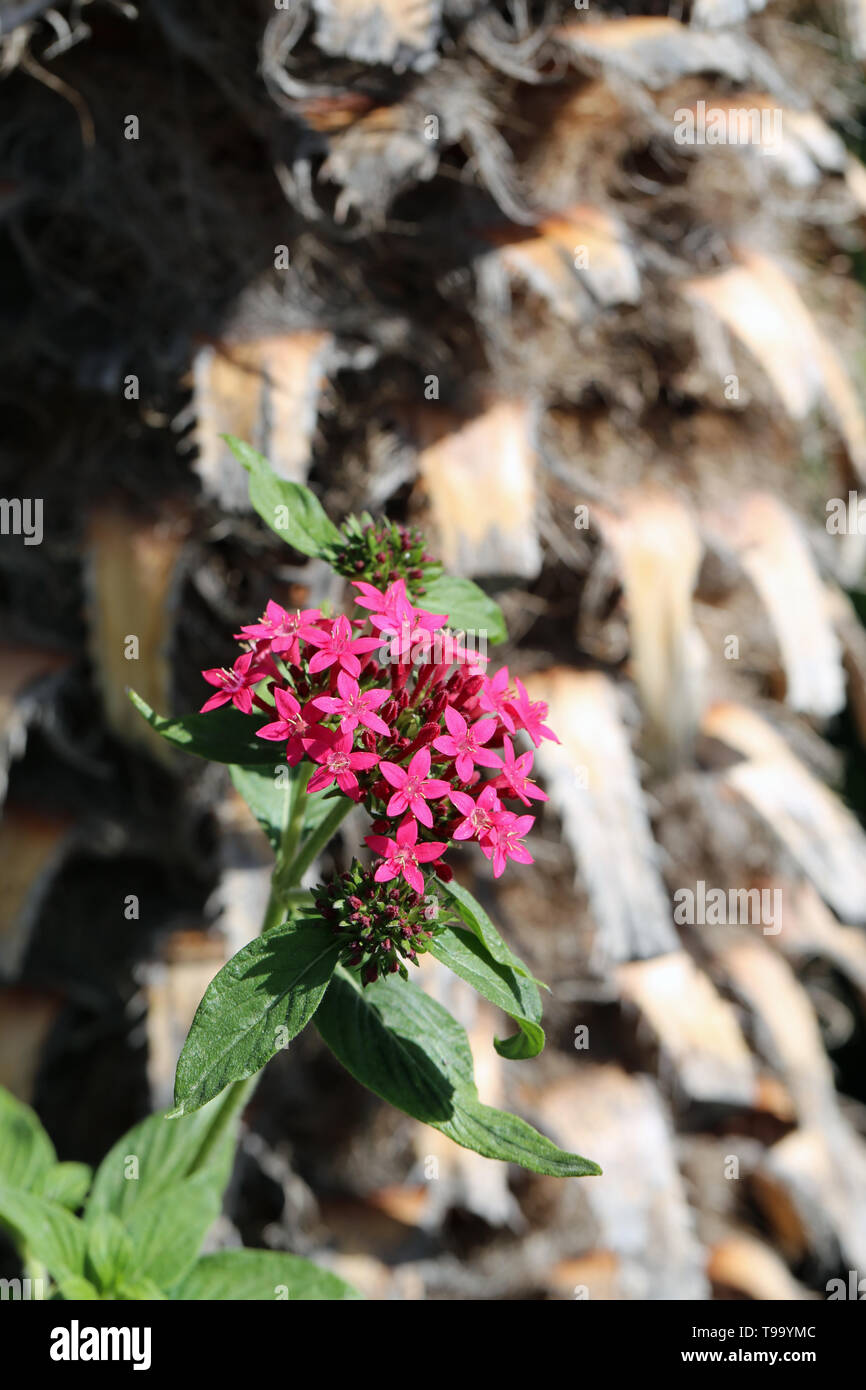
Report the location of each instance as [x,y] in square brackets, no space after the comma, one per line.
[410,738]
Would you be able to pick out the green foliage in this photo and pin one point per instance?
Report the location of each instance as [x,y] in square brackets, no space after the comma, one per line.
[252,1008]
[292,511]
[221,736]
[154,1157]
[25,1149]
[155,1195]
[469,609]
[66,1183]
[271,798]
[514,994]
[259,1274]
[406,1048]
[475,918]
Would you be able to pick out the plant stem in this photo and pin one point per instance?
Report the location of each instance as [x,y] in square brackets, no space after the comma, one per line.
[276,910]
[316,841]
[292,832]
[295,857]
[36,1272]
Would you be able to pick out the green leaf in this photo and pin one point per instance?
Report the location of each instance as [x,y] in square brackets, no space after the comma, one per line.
[76,1289]
[469,609]
[25,1149]
[46,1231]
[292,511]
[468,957]
[109,1252]
[244,1275]
[140,1291]
[271,798]
[257,1003]
[167,1231]
[407,1049]
[475,918]
[221,736]
[66,1183]
[157,1154]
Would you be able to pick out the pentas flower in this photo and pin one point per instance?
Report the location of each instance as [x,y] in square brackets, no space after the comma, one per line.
[390,608]
[403,855]
[478,815]
[413,790]
[429,728]
[502,841]
[494,698]
[355,706]
[515,775]
[406,627]
[294,724]
[281,629]
[530,715]
[465,744]
[234,684]
[337,643]
[338,762]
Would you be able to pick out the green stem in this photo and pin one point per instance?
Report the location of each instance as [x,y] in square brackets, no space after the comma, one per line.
[276,910]
[316,841]
[295,856]
[36,1272]
[232,1102]
[296,896]
[292,832]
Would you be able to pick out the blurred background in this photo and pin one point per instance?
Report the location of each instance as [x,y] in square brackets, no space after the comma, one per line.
[472,265]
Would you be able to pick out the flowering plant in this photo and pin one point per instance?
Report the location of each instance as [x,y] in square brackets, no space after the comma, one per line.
[389,710]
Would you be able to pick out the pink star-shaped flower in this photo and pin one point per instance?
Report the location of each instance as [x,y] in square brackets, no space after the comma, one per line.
[494,697]
[503,841]
[403,855]
[294,724]
[530,715]
[337,644]
[281,629]
[391,607]
[397,619]
[234,684]
[338,762]
[355,706]
[413,789]
[464,743]
[478,814]
[515,774]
